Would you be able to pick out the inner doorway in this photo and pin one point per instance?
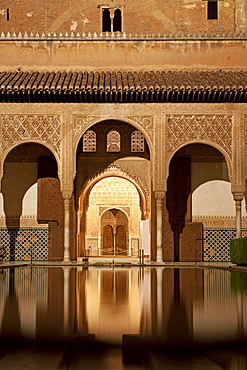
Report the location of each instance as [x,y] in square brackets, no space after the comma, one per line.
[114,226]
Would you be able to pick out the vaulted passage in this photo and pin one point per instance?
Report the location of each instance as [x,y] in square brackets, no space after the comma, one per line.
[190,167]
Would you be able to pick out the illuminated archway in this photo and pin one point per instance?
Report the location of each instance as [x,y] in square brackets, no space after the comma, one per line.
[112,217]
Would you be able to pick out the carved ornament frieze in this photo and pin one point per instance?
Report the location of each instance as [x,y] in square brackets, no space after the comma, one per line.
[210,128]
[20,127]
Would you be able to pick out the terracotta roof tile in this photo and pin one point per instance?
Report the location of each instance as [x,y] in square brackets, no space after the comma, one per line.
[124,86]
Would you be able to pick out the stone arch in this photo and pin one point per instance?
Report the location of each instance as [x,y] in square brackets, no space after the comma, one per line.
[84,123]
[27,144]
[24,165]
[191,165]
[203,142]
[23,142]
[144,204]
[118,208]
[84,200]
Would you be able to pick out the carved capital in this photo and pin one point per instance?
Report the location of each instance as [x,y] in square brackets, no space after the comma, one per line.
[159,196]
[67,194]
[238,196]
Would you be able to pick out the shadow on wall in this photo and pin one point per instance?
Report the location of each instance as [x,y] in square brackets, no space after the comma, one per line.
[18,178]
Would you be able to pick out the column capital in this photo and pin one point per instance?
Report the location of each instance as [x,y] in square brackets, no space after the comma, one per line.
[159,195]
[238,196]
[67,194]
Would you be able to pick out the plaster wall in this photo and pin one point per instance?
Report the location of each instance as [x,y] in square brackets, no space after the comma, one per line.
[116,54]
[203,172]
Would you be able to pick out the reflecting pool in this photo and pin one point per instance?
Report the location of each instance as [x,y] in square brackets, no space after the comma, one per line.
[180,308]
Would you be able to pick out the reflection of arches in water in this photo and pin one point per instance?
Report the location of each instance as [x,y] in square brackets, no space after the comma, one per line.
[114,226]
[11,327]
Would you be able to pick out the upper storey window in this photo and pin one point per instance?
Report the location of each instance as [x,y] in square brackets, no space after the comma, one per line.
[113,143]
[7,15]
[111,20]
[89,141]
[212,10]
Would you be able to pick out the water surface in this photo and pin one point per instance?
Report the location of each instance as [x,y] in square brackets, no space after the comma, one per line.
[176,307]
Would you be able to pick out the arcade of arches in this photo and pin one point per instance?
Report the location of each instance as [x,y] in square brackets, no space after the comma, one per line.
[115,200]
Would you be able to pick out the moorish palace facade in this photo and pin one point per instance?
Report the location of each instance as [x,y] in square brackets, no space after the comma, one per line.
[123,127]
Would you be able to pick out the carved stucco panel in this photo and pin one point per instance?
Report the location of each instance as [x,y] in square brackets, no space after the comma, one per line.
[188,128]
[21,127]
[147,122]
[82,122]
[158,161]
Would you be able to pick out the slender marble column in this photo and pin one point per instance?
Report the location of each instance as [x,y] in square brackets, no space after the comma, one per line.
[159,196]
[66,199]
[238,202]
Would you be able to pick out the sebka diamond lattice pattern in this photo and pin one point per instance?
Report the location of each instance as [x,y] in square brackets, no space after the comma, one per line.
[216,244]
[187,128]
[24,244]
[22,127]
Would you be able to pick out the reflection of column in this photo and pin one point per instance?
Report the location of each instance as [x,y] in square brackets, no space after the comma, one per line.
[159,196]
[238,197]
[159,272]
[66,300]
[66,198]
[240,314]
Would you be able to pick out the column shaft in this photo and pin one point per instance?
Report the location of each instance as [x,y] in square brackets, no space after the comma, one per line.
[66,229]
[238,219]
[159,225]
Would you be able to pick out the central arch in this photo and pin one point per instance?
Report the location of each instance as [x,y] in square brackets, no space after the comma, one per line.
[111,149]
[109,223]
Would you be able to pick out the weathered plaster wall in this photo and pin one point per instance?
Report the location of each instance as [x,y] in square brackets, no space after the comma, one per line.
[130,55]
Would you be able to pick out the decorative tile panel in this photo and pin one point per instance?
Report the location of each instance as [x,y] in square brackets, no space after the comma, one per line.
[134,247]
[24,244]
[216,244]
[92,246]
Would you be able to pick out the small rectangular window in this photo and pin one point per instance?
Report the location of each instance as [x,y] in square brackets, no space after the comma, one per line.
[7,14]
[212,9]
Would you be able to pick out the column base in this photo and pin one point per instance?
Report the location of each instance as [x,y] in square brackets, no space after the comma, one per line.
[159,261]
[66,260]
